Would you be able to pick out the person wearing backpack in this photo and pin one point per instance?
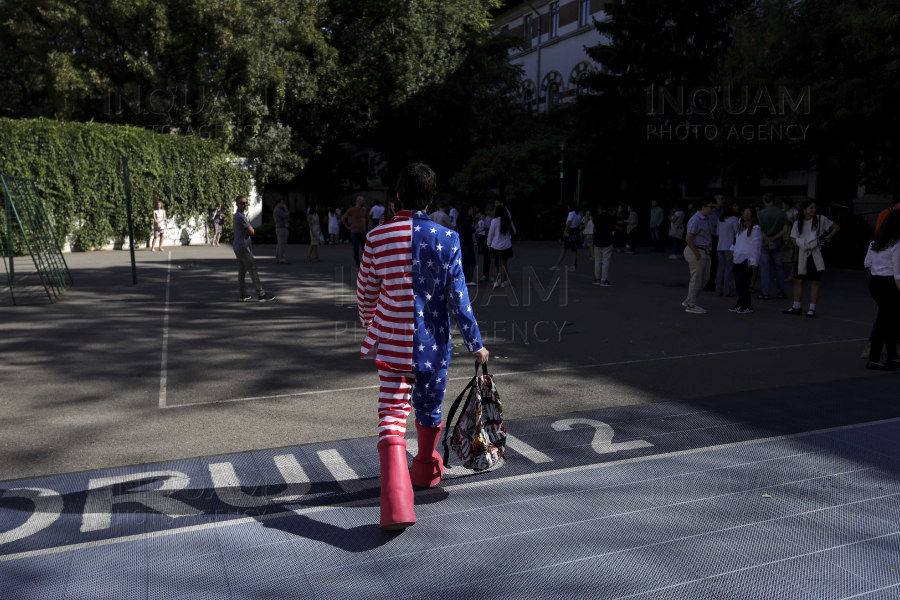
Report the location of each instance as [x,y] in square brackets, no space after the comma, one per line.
[410,279]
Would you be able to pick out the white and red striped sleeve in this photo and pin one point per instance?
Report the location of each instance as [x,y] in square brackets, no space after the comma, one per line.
[384,288]
[368,287]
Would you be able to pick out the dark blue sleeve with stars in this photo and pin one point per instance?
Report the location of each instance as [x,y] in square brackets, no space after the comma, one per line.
[439,287]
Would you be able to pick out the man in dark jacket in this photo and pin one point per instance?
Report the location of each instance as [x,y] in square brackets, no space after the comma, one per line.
[604,230]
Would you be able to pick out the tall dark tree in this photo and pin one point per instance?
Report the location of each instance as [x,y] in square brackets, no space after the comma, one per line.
[446,123]
[656,46]
[846,54]
[274,80]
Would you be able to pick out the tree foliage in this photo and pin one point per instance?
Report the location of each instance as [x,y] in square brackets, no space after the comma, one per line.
[655,45]
[847,53]
[77,168]
[275,80]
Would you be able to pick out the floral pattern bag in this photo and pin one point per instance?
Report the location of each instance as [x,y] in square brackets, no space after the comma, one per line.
[479,436]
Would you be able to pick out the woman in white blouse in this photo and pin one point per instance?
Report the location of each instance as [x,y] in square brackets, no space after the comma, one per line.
[883,260]
[811,232]
[499,242]
[745,254]
[334,224]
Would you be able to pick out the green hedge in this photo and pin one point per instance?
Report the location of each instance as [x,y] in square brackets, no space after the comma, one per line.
[78,169]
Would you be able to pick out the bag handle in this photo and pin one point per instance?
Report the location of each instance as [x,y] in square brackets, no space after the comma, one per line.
[455,406]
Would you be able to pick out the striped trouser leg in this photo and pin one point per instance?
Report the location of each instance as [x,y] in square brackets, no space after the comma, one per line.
[393,402]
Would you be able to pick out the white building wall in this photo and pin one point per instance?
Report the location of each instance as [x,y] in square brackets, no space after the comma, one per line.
[562,57]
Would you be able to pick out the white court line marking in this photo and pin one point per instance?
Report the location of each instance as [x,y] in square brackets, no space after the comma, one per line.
[164,364]
[592,366]
[340,470]
[451,487]
[532,454]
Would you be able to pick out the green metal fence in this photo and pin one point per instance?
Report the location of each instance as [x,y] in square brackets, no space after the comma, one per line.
[27,229]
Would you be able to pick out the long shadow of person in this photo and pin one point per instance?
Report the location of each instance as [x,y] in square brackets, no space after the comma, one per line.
[355,539]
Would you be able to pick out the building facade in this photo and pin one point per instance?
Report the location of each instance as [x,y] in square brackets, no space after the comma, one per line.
[554,58]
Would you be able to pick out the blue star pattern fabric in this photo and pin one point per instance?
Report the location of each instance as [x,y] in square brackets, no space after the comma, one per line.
[428,395]
[439,287]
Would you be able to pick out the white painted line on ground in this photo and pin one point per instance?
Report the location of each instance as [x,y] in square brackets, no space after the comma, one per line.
[340,470]
[164,364]
[532,454]
[469,485]
[570,368]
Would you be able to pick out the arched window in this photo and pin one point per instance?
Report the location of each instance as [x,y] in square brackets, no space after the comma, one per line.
[528,98]
[552,96]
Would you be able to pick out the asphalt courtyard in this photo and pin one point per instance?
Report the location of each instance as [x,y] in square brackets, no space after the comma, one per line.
[669,411]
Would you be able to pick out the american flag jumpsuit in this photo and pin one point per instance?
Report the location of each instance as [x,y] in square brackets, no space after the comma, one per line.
[410,278]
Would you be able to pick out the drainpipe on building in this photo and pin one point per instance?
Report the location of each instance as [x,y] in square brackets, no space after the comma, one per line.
[538,84]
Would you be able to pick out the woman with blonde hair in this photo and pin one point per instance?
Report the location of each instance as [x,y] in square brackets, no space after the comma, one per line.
[315,233]
[159,226]
[390,211]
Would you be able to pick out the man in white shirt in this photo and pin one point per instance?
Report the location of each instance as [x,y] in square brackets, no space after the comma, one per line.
[571,239]
[375,215]
[454,215]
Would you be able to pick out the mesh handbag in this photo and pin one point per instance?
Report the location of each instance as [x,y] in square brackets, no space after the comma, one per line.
[479,436]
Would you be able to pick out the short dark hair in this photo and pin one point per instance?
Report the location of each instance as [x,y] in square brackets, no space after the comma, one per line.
[416,186]
[443,204]
[768,198]
[239,198]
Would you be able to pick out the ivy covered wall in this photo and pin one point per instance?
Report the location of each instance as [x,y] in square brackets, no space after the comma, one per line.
[78,169]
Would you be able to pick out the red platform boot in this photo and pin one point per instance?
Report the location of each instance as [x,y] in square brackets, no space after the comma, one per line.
[427,467]
[397,511]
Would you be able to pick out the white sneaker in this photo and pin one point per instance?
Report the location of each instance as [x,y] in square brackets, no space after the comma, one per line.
[570,268]
[152,249]
[695,310]
[496,285]
[685,304]
[471,283]
[554,268]
[505,283]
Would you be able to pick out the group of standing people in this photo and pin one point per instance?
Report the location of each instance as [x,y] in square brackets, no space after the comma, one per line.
[752,242]
[490,231]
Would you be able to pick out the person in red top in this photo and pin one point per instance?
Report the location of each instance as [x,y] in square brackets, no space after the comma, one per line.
[881,217]
[357,226]
[886,212]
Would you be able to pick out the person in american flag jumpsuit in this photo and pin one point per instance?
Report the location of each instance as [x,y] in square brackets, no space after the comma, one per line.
[410,281]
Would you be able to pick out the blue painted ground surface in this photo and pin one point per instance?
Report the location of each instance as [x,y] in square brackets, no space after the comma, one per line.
[682,502]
